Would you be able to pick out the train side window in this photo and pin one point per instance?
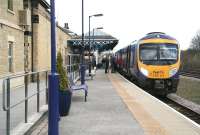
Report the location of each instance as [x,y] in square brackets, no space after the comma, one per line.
[132,55]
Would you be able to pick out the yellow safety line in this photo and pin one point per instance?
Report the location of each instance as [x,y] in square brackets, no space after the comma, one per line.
[149,125]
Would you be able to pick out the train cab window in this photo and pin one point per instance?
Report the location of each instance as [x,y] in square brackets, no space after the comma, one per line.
[148,53]
[158,54]
[168,52]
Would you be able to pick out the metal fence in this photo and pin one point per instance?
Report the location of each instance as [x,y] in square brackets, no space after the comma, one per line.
[72,70]
[7,106]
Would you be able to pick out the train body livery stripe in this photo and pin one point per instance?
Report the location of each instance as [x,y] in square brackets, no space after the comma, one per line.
[157,40]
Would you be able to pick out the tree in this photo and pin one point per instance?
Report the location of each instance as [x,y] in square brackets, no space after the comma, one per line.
[195,43]
[190,58]
[63,79]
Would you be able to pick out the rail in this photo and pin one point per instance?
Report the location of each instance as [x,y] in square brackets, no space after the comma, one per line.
[6,104]
[191,73]
[189,113]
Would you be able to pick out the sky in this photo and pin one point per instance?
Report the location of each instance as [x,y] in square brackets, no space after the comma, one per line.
[129,20]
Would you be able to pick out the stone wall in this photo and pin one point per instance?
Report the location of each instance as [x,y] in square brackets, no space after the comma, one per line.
[42,40]
[11,16]
[8,34]
[61,39]
[10,31]
[41,43]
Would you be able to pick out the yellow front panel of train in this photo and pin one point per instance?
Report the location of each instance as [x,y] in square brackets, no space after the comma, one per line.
[159,72]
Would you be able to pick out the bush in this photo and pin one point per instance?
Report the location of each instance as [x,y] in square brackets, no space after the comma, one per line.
[190,60]
[63,78]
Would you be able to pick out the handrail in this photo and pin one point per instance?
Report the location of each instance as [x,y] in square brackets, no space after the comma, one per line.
[6,76]
[3,102]
[23,74]
[72,65]
[5,108]
[6,105]
[6,94]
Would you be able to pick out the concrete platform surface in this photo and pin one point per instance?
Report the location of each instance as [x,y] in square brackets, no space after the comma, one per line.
[155,117]
[117,107]
[103,114]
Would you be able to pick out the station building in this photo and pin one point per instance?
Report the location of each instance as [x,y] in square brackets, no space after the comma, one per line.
[11,38]
[25,37]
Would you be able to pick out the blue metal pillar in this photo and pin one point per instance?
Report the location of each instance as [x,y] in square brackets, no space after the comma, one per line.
[82,48]
[53,116]
[82,73]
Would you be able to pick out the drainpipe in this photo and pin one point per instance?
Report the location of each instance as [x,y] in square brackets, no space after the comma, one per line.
[32,42]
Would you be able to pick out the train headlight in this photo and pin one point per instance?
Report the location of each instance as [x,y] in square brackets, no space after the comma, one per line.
[144,71]
[172,72]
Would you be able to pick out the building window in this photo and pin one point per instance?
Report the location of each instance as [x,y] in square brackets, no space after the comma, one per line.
[10,56]
[26,4]
[10,5]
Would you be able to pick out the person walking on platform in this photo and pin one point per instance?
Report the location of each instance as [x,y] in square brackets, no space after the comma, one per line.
[106,65]
[112,64]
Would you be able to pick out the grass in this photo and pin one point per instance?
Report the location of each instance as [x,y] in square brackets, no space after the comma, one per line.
[189,89]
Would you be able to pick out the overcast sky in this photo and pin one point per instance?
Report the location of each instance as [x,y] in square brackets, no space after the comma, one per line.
[129,20]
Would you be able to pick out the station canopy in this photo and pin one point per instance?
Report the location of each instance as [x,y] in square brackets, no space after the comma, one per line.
[99,40]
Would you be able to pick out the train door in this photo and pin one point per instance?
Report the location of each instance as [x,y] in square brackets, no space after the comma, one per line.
[126,64]
[120,60]
[128,59]
[132,60]
[124,55]
[136,69]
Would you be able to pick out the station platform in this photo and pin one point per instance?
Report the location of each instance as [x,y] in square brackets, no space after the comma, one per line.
[117,107]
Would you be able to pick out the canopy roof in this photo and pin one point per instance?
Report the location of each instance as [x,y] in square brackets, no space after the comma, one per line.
[98,41]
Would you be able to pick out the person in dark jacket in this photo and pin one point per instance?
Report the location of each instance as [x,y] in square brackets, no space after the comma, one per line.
[113,64]
[106,65]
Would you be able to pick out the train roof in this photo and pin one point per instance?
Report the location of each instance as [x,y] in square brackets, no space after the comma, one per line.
[151,35]
[161,35]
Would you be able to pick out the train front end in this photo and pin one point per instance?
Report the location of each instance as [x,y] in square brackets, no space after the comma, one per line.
[158,57]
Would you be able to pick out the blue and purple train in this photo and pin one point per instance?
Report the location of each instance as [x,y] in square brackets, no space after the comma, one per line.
[153,62]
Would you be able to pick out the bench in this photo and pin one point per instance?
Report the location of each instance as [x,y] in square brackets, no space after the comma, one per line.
[75,87]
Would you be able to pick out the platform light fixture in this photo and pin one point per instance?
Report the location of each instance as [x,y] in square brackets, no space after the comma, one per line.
[95,15]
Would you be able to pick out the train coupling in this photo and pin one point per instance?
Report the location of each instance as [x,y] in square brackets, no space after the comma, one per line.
[159,84]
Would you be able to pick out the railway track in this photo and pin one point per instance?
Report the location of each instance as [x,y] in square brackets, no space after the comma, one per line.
[189,113]
[191,73]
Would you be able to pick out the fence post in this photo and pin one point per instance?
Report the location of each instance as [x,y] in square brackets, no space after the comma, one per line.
[26,100]
[8,108]
[73,71]
[46,83]
[38,92]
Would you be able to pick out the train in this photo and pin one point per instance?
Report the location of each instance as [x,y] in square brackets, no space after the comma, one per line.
[153,62]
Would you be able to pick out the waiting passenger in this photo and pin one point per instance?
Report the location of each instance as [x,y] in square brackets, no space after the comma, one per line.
[106,65]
